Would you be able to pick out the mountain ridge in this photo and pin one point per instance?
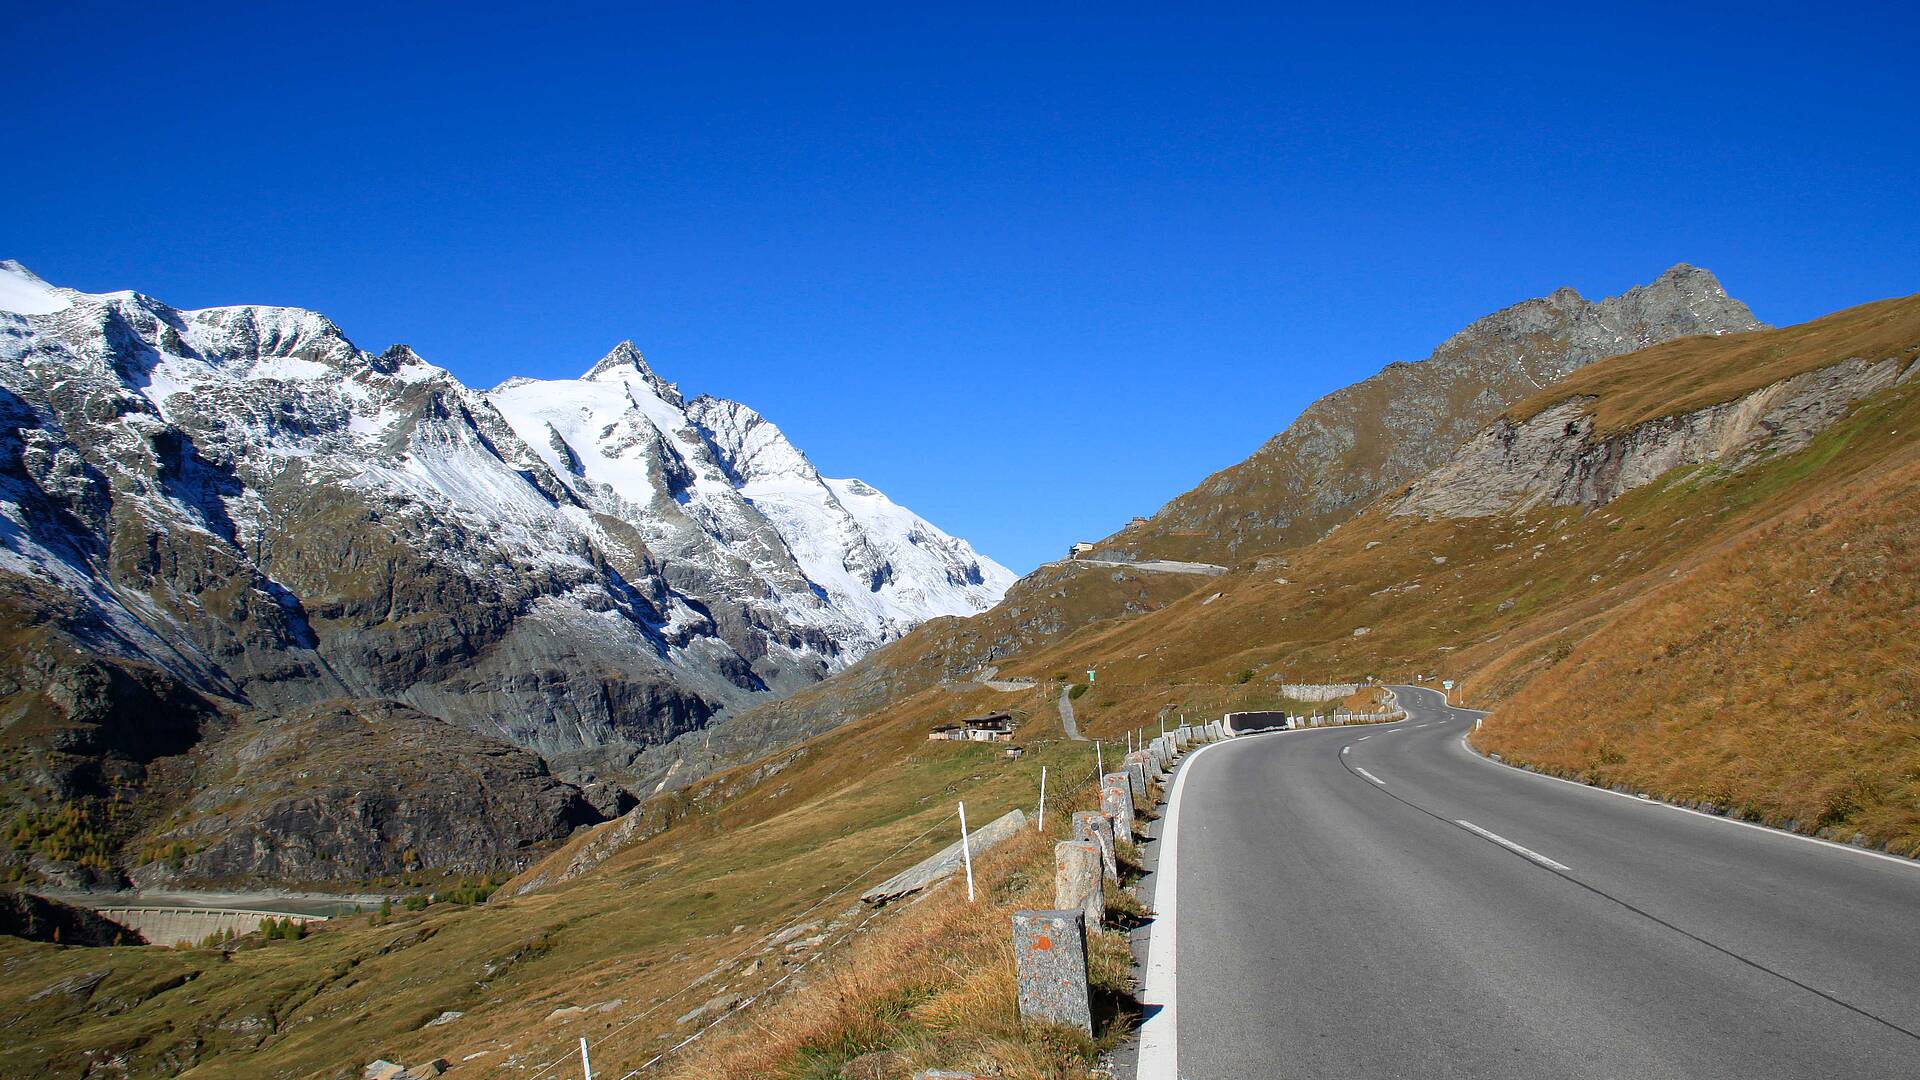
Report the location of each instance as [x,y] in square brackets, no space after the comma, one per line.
[1358,442]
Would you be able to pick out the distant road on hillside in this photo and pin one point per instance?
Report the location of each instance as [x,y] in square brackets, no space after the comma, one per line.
[1379,902]
[1160,566]
[1066,715]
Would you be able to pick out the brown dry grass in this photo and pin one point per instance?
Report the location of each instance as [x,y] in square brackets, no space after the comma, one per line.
[1780,680]
[1694,373]
[934,989]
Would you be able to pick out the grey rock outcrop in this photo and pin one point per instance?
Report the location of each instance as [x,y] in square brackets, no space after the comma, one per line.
[948,861]
[1556,458]
[38,918]
[348,791]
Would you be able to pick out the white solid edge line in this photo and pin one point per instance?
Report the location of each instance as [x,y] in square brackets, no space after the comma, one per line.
[1159,1057]
[1508,844]
[1648,800]
[1369,776]
[1363,738]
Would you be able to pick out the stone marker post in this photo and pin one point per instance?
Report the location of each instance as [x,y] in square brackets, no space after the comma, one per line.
[1138,764]
[1079,880]
[1116,801]
[1094,826]
[1050,963]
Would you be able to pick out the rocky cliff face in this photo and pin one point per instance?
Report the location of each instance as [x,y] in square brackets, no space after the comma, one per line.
[1356,444]
[1559,457]
[38,918]
[350,791]
[243,505]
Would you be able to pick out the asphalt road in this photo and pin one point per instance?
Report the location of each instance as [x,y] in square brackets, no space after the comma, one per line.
[1380,902]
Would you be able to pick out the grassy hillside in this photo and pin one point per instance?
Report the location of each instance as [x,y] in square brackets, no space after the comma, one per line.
[1694,373]
[1780,680]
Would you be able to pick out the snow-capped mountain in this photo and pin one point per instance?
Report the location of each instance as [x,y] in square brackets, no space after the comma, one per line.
[243,499]
[706,478]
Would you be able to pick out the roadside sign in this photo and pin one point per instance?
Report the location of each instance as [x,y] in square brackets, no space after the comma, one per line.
[1446,684]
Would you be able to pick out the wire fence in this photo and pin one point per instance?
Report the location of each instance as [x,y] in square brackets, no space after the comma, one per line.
[1063,800]
[742,954]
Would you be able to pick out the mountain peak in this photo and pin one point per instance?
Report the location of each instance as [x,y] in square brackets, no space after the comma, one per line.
[396,357]
[1684,278]
[624,357]
[626,360]
[24,293]
[1687,299]
[1351,446]
[15,267]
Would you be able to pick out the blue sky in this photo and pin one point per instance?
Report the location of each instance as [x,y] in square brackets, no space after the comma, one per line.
[1031,272]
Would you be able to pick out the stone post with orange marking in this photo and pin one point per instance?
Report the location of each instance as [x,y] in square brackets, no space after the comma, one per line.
[1050,964]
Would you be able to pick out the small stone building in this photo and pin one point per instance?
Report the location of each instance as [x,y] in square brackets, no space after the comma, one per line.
[996,728]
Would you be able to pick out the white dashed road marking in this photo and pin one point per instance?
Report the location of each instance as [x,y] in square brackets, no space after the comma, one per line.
[1509,845]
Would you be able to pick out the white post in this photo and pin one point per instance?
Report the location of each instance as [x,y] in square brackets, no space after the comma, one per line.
[1041,826]
[1099,759]
[966,853]
[586,1064]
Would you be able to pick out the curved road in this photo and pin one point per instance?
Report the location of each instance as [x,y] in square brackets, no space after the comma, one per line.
[1381,902]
